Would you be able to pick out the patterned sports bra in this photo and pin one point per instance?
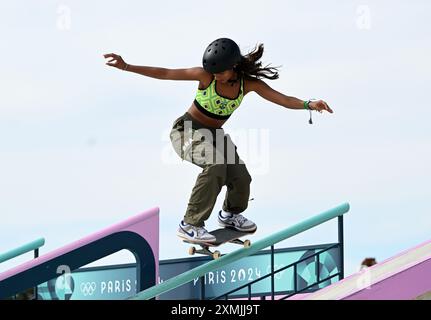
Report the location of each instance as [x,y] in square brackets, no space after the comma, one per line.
[210,103]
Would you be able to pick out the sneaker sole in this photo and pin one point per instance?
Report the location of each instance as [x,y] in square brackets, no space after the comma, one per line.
[187,239]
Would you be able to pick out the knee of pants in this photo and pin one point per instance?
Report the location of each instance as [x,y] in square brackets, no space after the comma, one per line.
[243,180]
[218,171]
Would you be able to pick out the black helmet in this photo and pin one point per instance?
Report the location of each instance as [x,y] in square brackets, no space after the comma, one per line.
[222,54]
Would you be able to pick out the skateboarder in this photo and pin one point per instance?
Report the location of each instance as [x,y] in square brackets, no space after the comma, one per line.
[197,136]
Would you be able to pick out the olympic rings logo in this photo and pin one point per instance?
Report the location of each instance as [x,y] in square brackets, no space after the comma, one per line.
[88,288]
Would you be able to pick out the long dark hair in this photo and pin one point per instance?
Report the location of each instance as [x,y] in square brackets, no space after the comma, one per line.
[251,68]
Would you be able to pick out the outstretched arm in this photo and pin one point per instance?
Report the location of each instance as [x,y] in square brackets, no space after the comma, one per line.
[196,73]
[268,93]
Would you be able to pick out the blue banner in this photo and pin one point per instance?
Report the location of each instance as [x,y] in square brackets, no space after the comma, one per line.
[119,282]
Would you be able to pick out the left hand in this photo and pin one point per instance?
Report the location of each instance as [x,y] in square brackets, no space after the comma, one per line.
[319,105]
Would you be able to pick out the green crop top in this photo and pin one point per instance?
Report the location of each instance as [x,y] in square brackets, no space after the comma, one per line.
[209,102]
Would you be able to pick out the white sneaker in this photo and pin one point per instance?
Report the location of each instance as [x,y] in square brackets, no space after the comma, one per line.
[195,234]
[236,221]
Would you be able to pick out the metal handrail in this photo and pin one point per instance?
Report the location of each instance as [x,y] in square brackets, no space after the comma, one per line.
[243,252]
[31,246]
[279,270]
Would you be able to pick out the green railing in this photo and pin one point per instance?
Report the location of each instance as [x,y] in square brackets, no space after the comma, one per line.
[243,252]
[31,246]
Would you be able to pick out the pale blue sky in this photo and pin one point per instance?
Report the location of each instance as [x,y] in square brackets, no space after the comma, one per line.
[83,145]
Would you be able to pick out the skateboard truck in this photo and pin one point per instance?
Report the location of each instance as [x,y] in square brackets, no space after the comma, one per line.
[205,247]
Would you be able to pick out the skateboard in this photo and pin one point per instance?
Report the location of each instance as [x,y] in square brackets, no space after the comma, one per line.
[223,235]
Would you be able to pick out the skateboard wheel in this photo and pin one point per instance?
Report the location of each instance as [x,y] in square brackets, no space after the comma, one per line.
[192,251]
[216,254]
[247,243]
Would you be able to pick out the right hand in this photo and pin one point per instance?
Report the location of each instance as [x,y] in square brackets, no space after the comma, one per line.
[116,61]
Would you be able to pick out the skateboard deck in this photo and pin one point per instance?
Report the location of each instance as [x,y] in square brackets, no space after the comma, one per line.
[223,235]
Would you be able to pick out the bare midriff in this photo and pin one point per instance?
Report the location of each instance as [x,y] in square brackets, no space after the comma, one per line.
[204,119]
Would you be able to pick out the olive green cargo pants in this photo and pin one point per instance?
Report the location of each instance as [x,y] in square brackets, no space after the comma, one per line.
[213,151]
